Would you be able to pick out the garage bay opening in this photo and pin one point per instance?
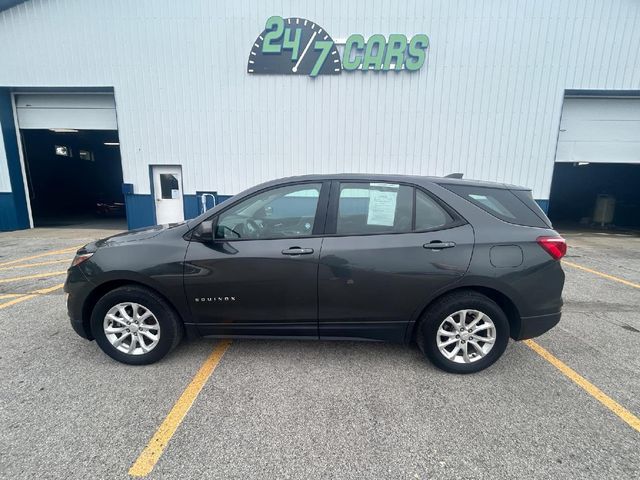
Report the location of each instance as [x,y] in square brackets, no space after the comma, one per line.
[74,177]
[602,196]
[72,162]
[597,170]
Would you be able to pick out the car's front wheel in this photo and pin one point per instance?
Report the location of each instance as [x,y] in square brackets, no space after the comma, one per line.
[134,325]
[463,332]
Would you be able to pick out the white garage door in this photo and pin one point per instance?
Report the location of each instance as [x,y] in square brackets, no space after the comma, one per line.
[78,111]
[600,130]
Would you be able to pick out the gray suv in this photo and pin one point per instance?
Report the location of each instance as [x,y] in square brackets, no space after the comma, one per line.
[457,266]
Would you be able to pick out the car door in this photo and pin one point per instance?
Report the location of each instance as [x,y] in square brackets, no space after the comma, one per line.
[254,271]
[387,248]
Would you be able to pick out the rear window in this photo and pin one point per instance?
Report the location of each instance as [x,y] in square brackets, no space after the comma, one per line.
[503,204]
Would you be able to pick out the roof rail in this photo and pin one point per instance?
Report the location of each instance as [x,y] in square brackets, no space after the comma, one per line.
[454,175]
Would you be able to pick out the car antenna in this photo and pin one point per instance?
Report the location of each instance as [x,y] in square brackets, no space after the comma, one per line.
[454,175]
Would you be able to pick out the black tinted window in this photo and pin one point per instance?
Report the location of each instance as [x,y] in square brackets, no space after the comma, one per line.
[168,185]
[374,208]
[428,213]
[500,203]
[526,198]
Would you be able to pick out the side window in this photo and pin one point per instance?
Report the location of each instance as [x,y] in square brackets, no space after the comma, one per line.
[374,208]
[282,212]
[428,213]
[500,203]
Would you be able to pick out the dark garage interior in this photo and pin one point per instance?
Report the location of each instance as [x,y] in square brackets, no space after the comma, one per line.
[74,177]
[575,189]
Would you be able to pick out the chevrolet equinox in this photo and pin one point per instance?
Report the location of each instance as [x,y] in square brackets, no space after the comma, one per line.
[457,266]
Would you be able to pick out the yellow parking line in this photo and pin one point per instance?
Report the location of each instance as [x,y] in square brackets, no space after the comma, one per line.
[11,295]
[40,255]
[28,277]
[605,275]
[153,451]
[27,296]
[38,264]
[587,386]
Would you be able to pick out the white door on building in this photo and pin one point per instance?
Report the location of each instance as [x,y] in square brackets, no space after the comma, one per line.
[167,189]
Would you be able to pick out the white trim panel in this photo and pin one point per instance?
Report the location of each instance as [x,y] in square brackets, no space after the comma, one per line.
[600,130]
[5,183]
[74,111]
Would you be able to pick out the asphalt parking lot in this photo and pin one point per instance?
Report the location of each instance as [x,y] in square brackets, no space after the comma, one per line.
[290,409]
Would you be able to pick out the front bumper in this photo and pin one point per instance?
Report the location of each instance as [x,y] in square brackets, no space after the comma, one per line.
[531,327]
[78,289]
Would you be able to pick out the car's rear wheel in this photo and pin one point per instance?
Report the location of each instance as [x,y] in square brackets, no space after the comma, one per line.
[135,325]
[463,332]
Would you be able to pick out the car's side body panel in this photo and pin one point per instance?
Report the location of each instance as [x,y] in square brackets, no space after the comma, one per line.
[534,286]
[369,285]
[249,287]
[153,258]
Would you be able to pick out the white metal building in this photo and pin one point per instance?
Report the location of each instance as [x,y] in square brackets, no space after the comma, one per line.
[509,89]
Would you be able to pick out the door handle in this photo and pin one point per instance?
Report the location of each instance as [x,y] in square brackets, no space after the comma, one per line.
[438,245]
[297,251]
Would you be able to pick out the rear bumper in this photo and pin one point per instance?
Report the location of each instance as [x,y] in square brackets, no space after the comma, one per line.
[537,325]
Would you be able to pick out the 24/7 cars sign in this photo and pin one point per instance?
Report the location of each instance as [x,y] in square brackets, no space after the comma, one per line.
[296,46]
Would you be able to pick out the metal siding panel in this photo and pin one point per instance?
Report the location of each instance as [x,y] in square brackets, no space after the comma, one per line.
[487,102]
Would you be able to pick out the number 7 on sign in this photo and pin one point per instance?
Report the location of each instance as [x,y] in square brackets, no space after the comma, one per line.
[325,47]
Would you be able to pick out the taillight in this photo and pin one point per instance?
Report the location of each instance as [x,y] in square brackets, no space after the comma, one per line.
[79,258]
[554,246]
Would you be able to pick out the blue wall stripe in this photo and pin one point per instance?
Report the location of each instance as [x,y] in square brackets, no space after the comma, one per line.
[544,205]
[20,218]
[8,220]
[140,211]
[191,205]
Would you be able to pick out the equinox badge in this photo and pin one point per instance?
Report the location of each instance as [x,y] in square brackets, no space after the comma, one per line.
[214,299]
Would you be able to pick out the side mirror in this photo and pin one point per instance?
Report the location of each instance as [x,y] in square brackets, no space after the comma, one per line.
[204,232]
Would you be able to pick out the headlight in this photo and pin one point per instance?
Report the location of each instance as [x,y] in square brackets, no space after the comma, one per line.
[79,258]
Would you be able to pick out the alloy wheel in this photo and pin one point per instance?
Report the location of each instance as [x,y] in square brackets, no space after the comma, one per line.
[131,328]
[466,336]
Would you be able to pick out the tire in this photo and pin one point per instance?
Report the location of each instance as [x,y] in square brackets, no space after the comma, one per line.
[113,323]
[448,312]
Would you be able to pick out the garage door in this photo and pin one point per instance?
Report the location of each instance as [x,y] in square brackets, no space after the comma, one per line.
[68,110]
[600,130]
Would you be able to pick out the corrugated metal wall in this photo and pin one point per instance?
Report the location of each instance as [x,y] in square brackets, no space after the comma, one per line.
[486,103]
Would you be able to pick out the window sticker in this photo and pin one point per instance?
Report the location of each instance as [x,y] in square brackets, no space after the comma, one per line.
[394,186]
[382,207]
